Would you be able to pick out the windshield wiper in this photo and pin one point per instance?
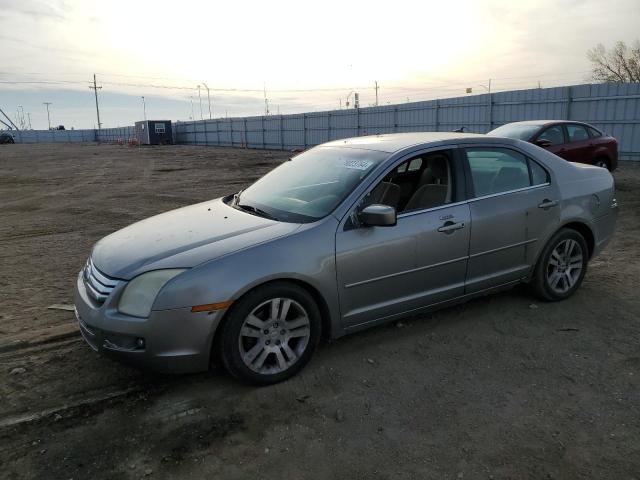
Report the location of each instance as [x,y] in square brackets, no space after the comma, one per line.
[236,198]
[256,211]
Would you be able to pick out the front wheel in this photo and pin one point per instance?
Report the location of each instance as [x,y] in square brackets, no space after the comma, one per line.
[562,266]
[270,334]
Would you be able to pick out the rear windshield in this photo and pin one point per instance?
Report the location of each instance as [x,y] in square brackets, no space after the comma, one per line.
[517,131]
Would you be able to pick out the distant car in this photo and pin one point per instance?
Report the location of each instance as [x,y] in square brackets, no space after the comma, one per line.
[574,141]
[341,237]
[6,138]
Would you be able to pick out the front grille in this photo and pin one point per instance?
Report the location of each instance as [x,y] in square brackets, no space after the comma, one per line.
[99,285]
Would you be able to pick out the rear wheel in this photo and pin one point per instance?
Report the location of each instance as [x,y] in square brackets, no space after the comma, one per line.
[270,334]
[562,266]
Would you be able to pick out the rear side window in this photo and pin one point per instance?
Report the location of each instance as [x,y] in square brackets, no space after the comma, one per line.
[577,133]
[539,175]
[414,165]
[496,170]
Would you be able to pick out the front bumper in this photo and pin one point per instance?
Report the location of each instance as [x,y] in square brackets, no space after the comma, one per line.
[174,341]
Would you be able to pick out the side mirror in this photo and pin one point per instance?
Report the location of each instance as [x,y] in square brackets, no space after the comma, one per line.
[377,215]
[543,142]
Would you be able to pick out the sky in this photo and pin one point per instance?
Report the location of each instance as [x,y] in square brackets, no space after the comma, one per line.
[307,56]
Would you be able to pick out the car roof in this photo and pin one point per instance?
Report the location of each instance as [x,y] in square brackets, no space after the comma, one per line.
[541,123]
[392,142]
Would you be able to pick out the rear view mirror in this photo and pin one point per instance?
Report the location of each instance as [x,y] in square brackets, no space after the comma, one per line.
[543,142]
[378,216]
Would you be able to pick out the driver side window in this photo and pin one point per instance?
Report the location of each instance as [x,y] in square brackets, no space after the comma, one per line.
[553,134]
[421,182]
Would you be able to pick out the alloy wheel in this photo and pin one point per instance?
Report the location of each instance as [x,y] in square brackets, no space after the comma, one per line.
[565,266]
[274,336]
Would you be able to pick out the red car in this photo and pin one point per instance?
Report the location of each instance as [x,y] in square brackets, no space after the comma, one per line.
[573,141]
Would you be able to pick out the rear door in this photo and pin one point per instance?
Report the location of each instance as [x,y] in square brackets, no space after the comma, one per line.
[508,215]
[578,148]
[543,212]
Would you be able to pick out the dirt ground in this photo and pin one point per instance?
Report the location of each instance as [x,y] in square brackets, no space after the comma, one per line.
[504,387]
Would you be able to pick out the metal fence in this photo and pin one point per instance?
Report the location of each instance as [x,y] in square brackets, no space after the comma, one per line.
[612,107]
[74,136]
[110,135]
[57,136]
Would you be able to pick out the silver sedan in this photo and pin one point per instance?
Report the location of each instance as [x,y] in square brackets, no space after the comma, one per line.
[344,236]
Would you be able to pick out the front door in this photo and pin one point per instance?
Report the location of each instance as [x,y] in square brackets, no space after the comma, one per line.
[555,135]
[422,260]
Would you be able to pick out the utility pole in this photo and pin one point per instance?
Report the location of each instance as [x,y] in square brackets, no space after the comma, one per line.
[490,106]
[95,89]
[192,114]
[21,116]
[266,101]
[489,110]
[348,97]
[200,99]
[376,92]
[208,98]
[48,117]
[144,109]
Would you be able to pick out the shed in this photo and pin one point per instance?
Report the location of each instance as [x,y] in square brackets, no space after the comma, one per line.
[154,132]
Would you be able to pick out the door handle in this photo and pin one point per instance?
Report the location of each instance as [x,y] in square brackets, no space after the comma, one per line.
[546,204]
[450,227]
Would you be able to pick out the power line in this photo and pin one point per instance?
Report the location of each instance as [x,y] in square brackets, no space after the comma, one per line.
[38,82]
[431,85]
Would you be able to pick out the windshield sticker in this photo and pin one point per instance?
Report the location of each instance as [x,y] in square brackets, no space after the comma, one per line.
[358,164]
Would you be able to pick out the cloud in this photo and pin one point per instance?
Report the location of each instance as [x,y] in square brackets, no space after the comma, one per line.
[36,9]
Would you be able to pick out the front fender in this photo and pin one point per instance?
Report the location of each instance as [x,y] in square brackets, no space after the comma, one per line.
[307,256]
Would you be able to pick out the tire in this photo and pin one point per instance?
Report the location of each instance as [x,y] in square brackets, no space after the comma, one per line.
[270,334]
[559,272]
[602,163]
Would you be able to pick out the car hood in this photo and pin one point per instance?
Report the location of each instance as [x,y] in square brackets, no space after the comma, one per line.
[183,238]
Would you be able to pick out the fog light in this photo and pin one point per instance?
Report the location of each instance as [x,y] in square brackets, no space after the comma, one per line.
[140,342]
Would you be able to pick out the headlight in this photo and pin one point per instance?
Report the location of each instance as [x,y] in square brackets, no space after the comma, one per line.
[139,295]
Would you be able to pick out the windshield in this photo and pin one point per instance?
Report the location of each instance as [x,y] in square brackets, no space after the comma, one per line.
[310,185]
[519,132]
